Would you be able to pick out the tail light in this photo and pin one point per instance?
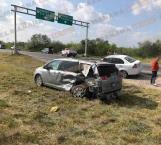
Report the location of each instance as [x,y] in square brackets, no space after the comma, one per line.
[104,78]
[135,66]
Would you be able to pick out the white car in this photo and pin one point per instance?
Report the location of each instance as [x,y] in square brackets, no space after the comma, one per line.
[69,53]
[45,50]
[125,64]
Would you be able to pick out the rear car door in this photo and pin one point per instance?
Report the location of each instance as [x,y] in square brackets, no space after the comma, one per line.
[119,63]
[68,71]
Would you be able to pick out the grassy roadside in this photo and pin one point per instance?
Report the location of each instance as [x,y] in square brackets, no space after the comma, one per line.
[25,117]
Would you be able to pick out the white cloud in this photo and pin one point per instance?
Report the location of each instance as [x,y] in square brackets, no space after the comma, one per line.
[64,6]
[145,5]
[3,3]
[108,31]
[87,13]
[130,39]
[81,11]
[99,22]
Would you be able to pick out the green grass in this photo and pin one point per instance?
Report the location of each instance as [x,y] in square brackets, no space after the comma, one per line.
[25,116]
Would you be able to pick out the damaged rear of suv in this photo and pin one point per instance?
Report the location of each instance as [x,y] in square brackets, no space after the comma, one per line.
[81,78]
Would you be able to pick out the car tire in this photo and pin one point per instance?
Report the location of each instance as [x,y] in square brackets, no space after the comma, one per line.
[74,55]
[124,74]
[38,80]
[79,91]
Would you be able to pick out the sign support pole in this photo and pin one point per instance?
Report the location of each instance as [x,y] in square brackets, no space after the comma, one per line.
[86,41]
[15,31]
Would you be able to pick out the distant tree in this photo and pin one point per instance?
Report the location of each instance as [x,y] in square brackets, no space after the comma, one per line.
[75,46]
[98,47]
[57,46]
[145,48]
[21,45]
[38,42]
[156,48]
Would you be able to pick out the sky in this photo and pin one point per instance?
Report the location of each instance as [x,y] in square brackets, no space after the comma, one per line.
[124,22]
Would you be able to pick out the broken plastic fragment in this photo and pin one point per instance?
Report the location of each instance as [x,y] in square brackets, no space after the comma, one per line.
[29,91]
[54,109]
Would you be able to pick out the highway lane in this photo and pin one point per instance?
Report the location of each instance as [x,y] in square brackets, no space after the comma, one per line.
[49,57]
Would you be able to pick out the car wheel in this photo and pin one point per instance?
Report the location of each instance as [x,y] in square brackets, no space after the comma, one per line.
[38,80]
[124,74]
[74,55]
[79,91]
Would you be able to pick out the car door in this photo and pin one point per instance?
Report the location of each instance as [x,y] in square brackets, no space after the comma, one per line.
[68,72]
[52,74]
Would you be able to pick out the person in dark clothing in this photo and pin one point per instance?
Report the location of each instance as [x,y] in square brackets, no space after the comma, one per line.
[155,68]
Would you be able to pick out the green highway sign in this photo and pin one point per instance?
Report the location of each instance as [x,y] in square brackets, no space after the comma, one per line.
[45,14]
[65,19]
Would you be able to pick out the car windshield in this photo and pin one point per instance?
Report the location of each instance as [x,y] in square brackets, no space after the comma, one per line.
[107,70]
[130,59]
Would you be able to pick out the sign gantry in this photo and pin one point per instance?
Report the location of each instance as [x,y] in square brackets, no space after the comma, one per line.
[48,15]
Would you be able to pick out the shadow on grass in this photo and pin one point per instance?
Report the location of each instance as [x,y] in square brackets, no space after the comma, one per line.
[16,136]
[142,76]
[132,96]
[129,101]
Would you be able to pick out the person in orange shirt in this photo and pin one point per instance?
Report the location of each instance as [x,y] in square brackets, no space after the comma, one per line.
[155,68]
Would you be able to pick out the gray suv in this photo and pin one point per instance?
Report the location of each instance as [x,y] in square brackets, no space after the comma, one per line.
[81,78]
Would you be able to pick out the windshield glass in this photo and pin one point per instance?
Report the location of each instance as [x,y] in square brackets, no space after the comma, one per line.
[130,59]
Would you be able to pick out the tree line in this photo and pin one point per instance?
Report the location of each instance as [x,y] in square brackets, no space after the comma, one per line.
[96,47]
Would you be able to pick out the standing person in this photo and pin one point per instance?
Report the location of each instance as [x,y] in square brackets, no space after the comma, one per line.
[155,68]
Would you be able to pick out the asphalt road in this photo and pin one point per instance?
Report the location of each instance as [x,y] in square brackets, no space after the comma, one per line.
[49,57]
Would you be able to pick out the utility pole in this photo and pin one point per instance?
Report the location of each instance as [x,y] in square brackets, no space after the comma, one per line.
[86,41]
[15,31]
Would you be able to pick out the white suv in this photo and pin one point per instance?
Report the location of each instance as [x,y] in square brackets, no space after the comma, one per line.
[126,64]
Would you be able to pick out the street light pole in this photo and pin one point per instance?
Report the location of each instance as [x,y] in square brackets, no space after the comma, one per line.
[86,41]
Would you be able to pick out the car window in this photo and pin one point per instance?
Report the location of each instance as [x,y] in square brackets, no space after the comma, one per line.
[107,60]
[130,59]
[117,61]
[54,65]
[69,66]
[107,70]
